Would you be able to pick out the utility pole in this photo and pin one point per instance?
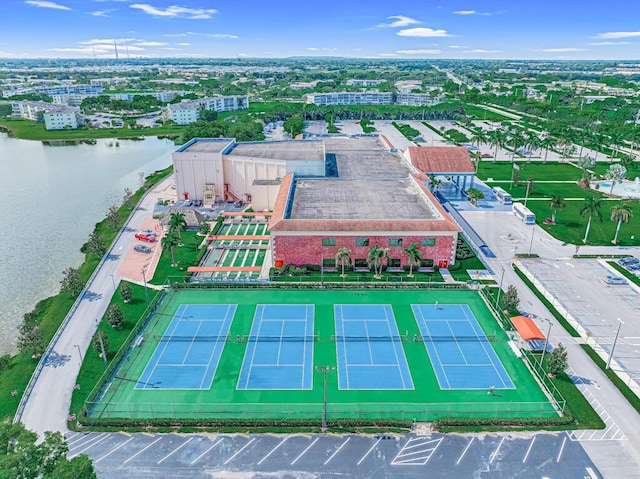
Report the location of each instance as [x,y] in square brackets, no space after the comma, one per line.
[115,45]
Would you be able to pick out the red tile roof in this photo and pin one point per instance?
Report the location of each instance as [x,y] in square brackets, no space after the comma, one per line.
[441,159]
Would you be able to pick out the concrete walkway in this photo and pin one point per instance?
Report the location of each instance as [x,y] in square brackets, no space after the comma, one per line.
[48,400]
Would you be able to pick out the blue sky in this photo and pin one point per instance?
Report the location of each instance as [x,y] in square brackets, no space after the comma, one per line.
[492,29]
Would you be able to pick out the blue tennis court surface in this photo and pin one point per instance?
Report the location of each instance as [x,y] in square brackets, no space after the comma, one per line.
[279,353]
[461,355]
[188,353]
[369,347]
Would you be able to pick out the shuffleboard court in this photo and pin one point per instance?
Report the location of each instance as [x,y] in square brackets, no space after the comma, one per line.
[369,348]
[188,353]
[461,354]
[279,352]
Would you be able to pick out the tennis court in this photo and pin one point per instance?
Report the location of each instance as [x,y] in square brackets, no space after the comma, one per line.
[461,354]
[188,353]
[369,348]
[279,352]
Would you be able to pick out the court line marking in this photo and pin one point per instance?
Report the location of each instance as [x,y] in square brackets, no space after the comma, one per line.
[201,455]
[524,459]
[113,450]
[465,451]
[495,453]
[369,451]
[89,447]
[273,450]
[239,451]
[175,450]
[304,452]
[142,450]
[564,441]
[337,451]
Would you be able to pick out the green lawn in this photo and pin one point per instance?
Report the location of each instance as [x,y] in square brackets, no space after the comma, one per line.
[502,170]
[482,114]
[427,401]
[543,190]
[185,256]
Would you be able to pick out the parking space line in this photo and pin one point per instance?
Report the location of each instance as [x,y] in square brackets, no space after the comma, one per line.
[495,453]
[106,436]
[239,451]
[524,459]
[142,450]
[201,455]
[465,451]
[564,441]
[113,450]
[337,451]
[304,452]
[369,451]
[272,450]
[88,436]
[175,450]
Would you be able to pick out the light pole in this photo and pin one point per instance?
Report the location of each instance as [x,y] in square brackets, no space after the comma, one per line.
[546,343]
[526,196]
[533,230]
[615,341]
[500,288]
[324,370]
[113,282]
[79,353]
[146,292]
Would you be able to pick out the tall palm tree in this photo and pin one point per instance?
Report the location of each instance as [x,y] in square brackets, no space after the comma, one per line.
[478,137]
[592,207]
[434,183]
[496,139]
[374,259]
[414,254]
[548,143]
[178,224]
[343,255]
[616,139]
[556,203]
[170,241]
[621,213]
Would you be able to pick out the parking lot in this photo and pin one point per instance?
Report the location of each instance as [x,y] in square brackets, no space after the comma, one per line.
[523,455]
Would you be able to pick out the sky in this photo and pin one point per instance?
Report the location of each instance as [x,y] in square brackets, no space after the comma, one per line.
[465,29]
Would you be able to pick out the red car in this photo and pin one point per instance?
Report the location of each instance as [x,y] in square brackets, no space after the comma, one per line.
[149,237]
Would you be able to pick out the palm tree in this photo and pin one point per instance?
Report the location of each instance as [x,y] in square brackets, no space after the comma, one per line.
[374,259]
[414,254]
[593,207]
[177,223]
[478,137]
[616,139]
[474,194]
[548,143]
[343,254]
[434,183]
[622,214]
[170,241]
[556,203]
[496,139]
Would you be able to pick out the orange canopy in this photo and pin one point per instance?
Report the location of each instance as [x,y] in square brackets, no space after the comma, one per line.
[527,328]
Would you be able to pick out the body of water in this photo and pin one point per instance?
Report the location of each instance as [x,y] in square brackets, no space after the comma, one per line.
[54,196]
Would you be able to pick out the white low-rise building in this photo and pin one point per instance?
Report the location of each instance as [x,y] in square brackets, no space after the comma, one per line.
[351,98]
[188,111]
[55,117]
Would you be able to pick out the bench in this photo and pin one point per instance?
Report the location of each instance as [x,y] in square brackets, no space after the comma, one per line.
[138,341]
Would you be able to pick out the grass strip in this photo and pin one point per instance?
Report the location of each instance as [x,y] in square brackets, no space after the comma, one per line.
[556,314]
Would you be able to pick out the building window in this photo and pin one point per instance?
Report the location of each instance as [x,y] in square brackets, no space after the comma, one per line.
[329,262]
[394,262]
[426,263]
[328,241]
[360,263]
[428,241]
[395,241]
[362,241]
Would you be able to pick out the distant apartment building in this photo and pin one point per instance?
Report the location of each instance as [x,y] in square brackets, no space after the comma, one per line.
[303,85]
[86,90]
[407,86]
[163,96]
[56,117]
[416,99]
[188,111]
[365,83]
[351,98]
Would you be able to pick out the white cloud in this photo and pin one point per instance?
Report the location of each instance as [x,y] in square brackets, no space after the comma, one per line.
[45,4]
[224,35]
[184,44]
[108,41]
[170,48]
[387,54]
[400,21]
[151,44]
[176,11]
[609,43]
[243,55]
[561,50]
[472,12]
[101,13]
[457,46]
[422,32]
[313,49]
[615,35]
[419,52]
[482,50]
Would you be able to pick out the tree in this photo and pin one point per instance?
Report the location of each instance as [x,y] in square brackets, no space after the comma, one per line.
[556,202]
[170,241]
[204,228]
[125,292]
[127,199]
[177,224]
[548,143]
[474,194]
[343,255]
[414,256]
[294,125]
[113,217]
[496,139]
[557,361]
[510,298]
[31,339]
[374,259]
[106,342]
[114,316]
[592,207]
[434,183]
[71,282]
[96,245]
[208,115]
[615,173]
[622,214]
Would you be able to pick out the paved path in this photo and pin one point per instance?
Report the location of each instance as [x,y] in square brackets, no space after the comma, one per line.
[62,363]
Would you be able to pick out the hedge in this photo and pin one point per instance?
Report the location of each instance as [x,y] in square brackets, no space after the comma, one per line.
[519,422]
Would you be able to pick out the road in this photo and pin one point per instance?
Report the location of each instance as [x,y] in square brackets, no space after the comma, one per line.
[62,364]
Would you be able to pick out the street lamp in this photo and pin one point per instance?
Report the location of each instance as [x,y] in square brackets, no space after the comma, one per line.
[79,353]
[146,292]
[500,288]
[546,343]
[113,282]
[526,196]
[615,341]
[533,230]
[324,370]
